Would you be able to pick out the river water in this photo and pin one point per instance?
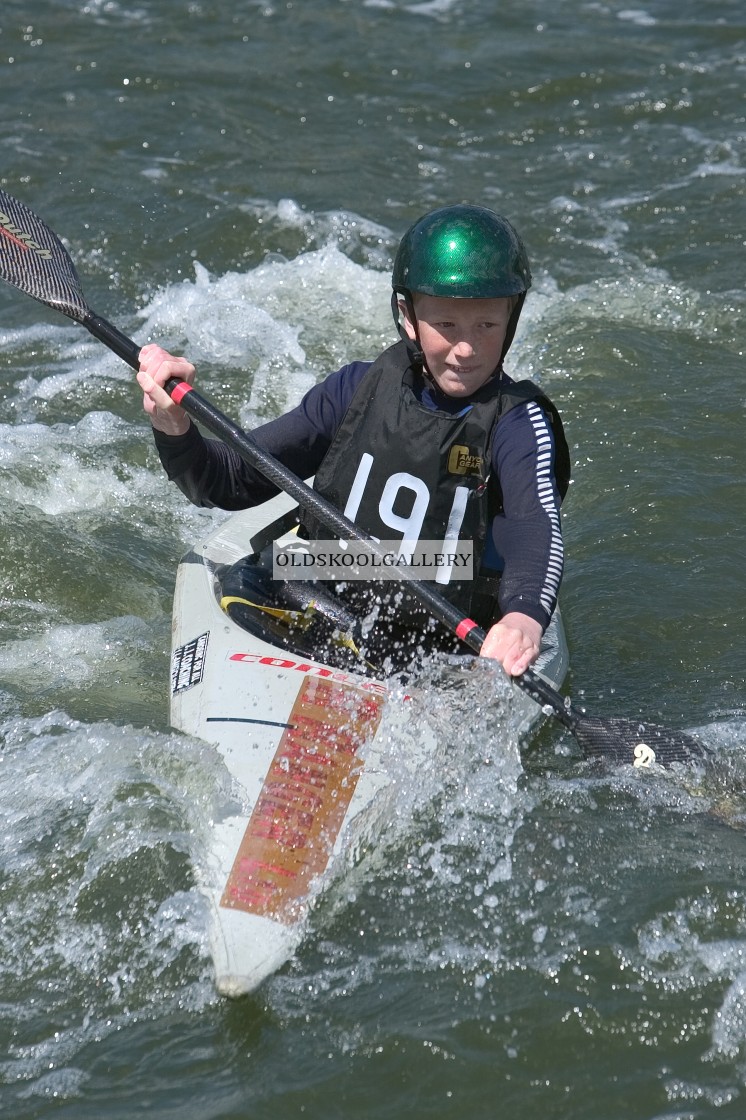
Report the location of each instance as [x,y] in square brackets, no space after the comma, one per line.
[537,937]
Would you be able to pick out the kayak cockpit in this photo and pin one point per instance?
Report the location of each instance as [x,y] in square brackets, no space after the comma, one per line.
[304,617]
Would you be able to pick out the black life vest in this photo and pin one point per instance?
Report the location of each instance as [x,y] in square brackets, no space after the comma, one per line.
[402,470]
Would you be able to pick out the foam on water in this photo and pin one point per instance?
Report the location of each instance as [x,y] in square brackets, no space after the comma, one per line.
[91,467]
[71,468]
[432,9]
[485,876]
[70,656]
[637,15]
[283,322]
[102,924]
[286,322]
[443,846]
[356,236]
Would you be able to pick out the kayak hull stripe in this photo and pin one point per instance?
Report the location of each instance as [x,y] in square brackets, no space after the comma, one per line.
[242,719]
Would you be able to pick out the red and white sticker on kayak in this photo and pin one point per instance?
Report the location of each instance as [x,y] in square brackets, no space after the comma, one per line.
[308,788]
[310,667]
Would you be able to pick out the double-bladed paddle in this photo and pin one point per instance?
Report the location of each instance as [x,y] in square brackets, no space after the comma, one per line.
[34,260]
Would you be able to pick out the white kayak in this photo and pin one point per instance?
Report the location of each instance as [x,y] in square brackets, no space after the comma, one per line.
[300,739]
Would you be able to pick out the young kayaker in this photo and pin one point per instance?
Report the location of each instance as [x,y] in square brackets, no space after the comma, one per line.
[433,439]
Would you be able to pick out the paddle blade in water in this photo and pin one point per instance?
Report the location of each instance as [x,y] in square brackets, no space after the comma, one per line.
[33,259]
[636,742]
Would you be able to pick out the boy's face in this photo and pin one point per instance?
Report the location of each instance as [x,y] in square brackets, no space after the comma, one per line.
[461,339]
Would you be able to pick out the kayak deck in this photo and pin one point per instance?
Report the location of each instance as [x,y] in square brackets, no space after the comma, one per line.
[300,738]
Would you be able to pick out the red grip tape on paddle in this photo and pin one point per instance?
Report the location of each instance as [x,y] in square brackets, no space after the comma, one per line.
[464,627]
[181,390]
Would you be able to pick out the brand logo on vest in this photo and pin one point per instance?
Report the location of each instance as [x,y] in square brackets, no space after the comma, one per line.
[461,461]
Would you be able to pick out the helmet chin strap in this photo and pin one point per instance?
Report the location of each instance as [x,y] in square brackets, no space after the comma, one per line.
[512,325]
[413,345]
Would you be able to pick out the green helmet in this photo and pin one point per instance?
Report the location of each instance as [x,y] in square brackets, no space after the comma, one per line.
[465,251]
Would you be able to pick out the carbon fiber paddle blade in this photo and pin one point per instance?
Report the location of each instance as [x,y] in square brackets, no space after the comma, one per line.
[33,259]
[636,742]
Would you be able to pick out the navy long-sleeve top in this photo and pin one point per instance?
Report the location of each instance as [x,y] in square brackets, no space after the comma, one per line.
[525,543]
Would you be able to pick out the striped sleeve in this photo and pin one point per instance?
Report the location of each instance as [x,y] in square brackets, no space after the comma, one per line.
[527,534]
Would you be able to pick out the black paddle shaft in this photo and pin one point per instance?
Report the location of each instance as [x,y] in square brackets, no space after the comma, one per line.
[34,260]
